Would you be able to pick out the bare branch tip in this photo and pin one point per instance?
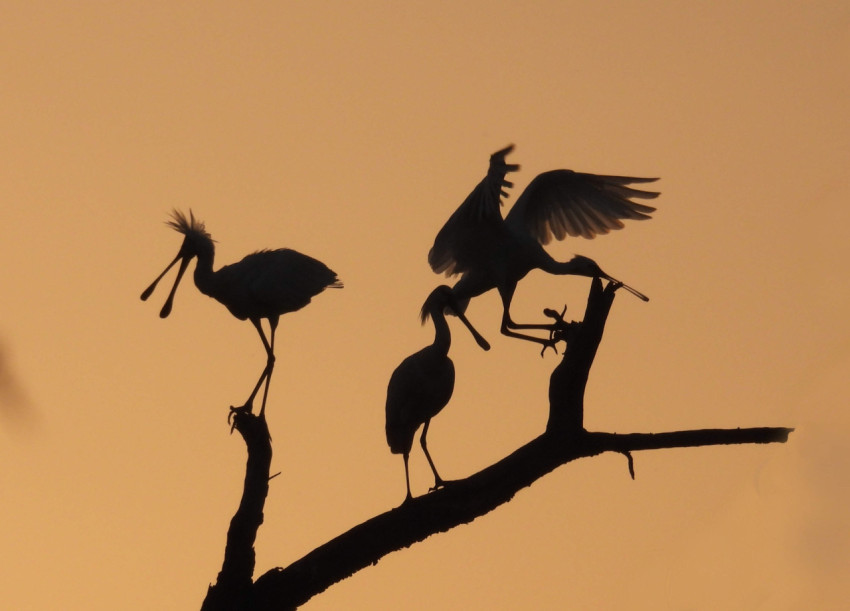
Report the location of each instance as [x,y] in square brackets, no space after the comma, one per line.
[628,456]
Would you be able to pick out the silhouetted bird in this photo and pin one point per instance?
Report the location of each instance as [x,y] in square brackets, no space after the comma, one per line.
[264,284]
[492,252]
[423,383]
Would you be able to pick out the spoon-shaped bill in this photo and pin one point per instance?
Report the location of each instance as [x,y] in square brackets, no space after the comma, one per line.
[166,308]
[485,345]
[148,291]
[634,292]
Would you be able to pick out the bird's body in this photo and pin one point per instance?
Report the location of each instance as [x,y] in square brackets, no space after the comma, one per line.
[263,285]
[422,385]
[490,251]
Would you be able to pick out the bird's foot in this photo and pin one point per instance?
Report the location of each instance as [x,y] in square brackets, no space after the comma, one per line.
[553,328]
[235,412]
[440,483]
[550,343]
[242,409]
[560,330]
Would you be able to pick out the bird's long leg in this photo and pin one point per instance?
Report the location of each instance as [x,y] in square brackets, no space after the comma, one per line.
[264,377]
[438,481]
[269,363]
[508,325]
[407,477]
[250,402]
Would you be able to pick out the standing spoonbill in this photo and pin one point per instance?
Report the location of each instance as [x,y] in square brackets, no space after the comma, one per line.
[494,252]
[264,284]
[423,383]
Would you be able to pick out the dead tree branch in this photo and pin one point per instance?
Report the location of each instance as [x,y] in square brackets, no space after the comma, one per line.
[234,588]
[460,501]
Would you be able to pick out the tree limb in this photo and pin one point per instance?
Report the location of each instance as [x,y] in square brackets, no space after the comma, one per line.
[461,501]
[458,502]
[233,590]
[569,379]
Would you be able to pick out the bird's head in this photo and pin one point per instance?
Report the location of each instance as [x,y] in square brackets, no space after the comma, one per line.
[196,243]
[585,266]
[196,240]
[442,299]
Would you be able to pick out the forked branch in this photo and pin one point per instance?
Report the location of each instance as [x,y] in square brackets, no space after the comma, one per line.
[460,501]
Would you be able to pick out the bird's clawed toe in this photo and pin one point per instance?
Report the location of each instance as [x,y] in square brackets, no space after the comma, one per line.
[560,330]
[440,483]
[551,343]
[235,412]
[242,409]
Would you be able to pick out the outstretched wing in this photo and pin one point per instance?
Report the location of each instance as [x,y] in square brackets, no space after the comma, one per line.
[476,226]
[562,202]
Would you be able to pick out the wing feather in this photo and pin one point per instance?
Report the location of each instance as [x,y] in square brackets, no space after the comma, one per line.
[477,223]
[564,203]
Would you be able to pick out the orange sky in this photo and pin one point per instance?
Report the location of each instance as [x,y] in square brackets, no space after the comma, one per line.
[351,135]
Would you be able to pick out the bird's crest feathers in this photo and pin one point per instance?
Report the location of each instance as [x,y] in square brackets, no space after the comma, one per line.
[424,314]
[187,226]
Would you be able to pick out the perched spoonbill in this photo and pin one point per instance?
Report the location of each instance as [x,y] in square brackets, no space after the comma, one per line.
[494,252]
[423,383]
[264,284]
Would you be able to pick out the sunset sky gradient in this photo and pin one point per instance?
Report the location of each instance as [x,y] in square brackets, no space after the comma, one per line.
[350,132]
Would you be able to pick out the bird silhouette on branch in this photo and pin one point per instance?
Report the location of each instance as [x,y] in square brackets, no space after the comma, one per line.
[263,285]
[489,252]
[452,503]
[494,252]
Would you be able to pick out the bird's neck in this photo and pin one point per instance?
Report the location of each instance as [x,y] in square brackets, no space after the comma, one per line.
[442,335]
[204,275]
[577,266]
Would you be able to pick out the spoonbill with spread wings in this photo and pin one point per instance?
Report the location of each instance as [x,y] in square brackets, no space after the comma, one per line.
[494,252]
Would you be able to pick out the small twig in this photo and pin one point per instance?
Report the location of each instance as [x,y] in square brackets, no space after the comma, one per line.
[628,455]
